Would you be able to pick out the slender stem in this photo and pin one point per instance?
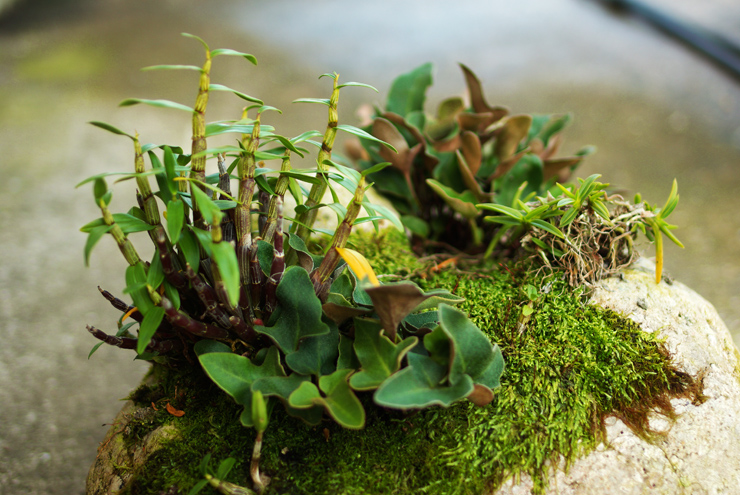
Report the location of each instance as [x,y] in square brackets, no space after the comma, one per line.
[254,468]
[124,244]
[281,186]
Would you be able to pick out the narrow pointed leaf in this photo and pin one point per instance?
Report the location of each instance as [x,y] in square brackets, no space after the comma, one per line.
[148,327]
[155,103]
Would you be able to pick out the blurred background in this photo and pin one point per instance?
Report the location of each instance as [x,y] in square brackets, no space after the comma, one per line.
[654,108]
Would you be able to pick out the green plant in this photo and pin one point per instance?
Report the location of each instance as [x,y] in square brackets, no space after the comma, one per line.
[453,168]
[310,329]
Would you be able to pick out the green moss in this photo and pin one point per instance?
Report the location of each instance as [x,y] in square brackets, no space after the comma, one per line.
[567,366]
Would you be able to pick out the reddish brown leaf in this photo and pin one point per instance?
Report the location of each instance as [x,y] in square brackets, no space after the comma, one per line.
[174,412]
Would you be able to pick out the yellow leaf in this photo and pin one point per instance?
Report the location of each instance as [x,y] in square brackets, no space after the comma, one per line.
[359,265]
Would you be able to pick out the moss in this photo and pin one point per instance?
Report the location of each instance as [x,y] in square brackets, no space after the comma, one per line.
[568,366]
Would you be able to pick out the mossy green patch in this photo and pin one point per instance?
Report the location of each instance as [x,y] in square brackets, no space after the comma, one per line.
[568,365]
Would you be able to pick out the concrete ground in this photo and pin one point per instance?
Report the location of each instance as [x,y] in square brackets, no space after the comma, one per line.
[654,109]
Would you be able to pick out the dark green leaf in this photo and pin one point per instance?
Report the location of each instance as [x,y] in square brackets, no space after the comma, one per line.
[340,402]
[228,266]
[299,311]
[316,355]
[175,219]
[148,327]
[378,356]
[421,385]
[155,275]
[189,249]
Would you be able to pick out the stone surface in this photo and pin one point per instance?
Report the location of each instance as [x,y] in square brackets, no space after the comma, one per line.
[699,453]
[104,478]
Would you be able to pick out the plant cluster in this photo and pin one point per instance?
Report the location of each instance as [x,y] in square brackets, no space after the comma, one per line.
[479,179]
[270,319]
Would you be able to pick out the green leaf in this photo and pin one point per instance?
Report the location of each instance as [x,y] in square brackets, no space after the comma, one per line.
[175,219]
[227,51]
[299,311]
[358,84]
[165,187]
[189,249]
[378,356]
[210,211]
[316,355]
[408,91]
[127,223]
[155,275]
[235,374]
[205,346]
[364,135]
[421,385]
[149,326]
[416,225]
[506,210]
[225,467]
[172,294]
[198,38]
[94,236]
[172,67]
[221,87]
[136,287]
[228,266]
[110,128]
[155,103]
[384,212]
[548,227]
[339,400]
[472,352]
[463,203]
[322,101]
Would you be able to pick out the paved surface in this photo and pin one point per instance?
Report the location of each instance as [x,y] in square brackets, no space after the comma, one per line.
[655,110]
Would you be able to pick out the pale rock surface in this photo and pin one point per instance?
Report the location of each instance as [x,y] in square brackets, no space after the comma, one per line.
[700,454]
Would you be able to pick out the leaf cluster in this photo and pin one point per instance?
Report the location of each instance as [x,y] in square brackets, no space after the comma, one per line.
[239,286]
[475,177]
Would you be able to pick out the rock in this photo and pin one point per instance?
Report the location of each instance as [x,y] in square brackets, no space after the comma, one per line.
[697,453]
[106,476]
[700,451]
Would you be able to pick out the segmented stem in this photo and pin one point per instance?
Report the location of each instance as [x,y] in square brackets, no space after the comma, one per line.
[307,219]
[208,297]
[321,275]
[124,244]
[198,163]
[171,272]
[281,186]
[242,214]
[185,322]
[278,264]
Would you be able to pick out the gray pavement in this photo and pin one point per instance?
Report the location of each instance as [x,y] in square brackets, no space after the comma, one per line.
[655,110]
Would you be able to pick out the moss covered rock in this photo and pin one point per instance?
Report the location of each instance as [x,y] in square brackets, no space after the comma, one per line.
[583,380]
